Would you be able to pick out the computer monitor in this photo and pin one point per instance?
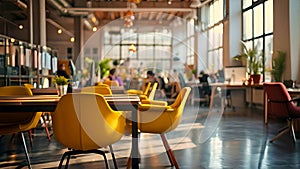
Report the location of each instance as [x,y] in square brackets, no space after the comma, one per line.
[236,75]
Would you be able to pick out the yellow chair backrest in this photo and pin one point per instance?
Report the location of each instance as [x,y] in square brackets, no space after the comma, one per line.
[111,82]
[85,121]
[28,85]
[145,92]
[24,121]
[151,94]
[101,89]
[162,119]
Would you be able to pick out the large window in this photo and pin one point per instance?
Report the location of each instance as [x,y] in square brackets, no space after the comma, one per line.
[190,43]
[153,49]
[258,29]
[212,16]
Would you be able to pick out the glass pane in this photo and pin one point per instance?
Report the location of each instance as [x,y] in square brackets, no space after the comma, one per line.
[269,16]
[247,24]
[210,39]
[162,52]
[210,61]
[162,38]
[125,52]
[268,52]
[218,10]
[211,15]
[115,39]
[162,65]
[258,43]
[220,59]
[112,52]
[106,38]
[146,52]
[129,38]
[146,38]
[258,20]
[246,3]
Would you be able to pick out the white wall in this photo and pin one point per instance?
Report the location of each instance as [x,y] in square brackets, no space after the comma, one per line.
[235,28]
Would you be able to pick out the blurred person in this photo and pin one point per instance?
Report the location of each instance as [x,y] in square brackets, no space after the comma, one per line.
[112,76]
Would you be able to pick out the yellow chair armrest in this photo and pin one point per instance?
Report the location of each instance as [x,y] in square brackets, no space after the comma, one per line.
[133,91]
[143,97]
[146,107]
[155,102]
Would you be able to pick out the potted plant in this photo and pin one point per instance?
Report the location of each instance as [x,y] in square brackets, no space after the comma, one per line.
[61,84]
[254,61]
[104,67]
[278,66]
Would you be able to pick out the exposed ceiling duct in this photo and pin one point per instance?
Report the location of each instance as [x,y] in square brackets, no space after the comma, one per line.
[62,7]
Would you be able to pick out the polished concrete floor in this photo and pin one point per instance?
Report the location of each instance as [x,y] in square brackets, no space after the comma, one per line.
[229,139]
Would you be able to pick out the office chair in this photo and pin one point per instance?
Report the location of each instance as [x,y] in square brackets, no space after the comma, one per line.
[162,119]
[18,122]
[280,105]
[84,122]
[100,89]
[149,98]
[30,86]
[140,92]
[111,82]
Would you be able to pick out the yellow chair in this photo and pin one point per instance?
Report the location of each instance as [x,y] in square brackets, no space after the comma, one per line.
[111,82]
[100,89]
[162,119]
[11,123]
[84,122]
[149,98]
[28,85]
[140,92]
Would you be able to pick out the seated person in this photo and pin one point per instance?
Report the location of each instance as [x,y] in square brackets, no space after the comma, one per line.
[113,76]
[203,77]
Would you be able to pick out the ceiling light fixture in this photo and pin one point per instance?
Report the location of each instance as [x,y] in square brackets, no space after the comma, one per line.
[59,31]
[169,2]
[195,4]
[21,26]
[94,29]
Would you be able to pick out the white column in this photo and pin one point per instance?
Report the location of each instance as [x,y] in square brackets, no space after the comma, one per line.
[43,23]
[295,39]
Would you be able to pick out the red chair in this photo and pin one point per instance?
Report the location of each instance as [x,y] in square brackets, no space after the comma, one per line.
[280,105]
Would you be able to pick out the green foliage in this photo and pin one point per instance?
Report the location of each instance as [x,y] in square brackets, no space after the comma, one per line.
[60,80]
[105,67]
[278,65]
[254,59]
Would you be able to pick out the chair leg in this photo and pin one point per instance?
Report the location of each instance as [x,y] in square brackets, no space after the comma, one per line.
[62,160]
[26,151]
[46,127]
[169,151]
[291,126]
[129,162]
[74,152]
[30,135]
[113,156]
[68,160]
[279,135]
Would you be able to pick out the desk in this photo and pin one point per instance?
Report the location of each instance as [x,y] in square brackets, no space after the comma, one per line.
[217,86]
[47,103]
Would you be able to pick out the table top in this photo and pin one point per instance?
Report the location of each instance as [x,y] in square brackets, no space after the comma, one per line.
[53,91]
[293,90]
[47,103]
